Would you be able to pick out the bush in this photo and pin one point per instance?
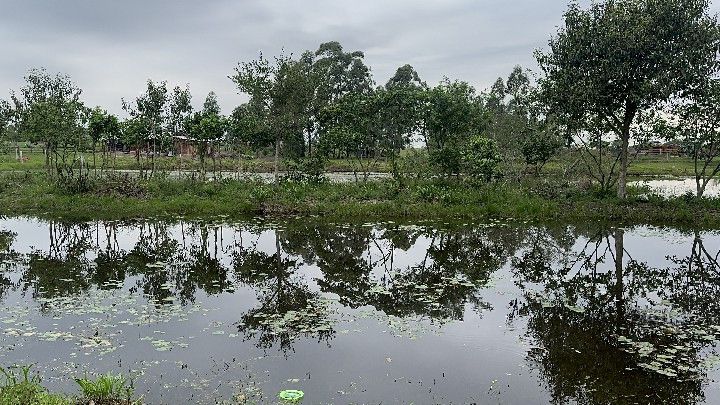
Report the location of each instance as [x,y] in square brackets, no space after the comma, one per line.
[481,158]
[309,170]
[538,148]
[446,160]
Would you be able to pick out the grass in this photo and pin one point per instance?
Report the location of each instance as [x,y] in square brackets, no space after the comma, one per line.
[21,386]
[107,389]
[35,161]
[536,200]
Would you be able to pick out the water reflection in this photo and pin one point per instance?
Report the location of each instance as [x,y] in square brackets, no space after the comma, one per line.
[609,329]
[603,322]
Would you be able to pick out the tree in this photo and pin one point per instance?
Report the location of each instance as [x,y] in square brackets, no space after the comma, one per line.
[150,108]
[48,109]
[351,125]
[207,127]
[279,99]
[481,158]
[405,76]
[612,63]
[400,115]
[6,115]
[180,109]
[453,115]
[334,74]
[508,106]
[102,127]
[695,122]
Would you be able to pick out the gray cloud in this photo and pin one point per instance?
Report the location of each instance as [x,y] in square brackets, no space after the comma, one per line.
[111,48]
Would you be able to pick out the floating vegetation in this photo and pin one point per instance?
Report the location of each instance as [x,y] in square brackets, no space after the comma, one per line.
[293,396]
[674,351]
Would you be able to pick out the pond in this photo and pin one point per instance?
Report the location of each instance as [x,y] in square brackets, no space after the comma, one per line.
[206,312]
[677,187]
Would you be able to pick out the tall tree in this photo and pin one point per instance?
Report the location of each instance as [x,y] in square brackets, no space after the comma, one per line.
[405,76]
[279,98]
[49,110]
[180,109]
[6,115]
[453,115]
[102,127]
[207,127]
[151,108]
[616,60]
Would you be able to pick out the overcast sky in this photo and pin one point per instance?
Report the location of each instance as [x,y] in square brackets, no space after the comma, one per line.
[111,47]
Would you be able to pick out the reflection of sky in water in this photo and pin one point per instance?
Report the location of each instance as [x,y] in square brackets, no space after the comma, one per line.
[501,349]
[674,188]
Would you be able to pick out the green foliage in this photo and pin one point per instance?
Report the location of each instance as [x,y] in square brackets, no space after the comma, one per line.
[49,110]
[694,124]
[481,158]
[103,126]
[22,387]
[447,160]
[207,128]
[539,147]
[107,389]
[615,61]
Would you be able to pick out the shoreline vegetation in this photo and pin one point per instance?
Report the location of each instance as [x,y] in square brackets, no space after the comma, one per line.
[122,197]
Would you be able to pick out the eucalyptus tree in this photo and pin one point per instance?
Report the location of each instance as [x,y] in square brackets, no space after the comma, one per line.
[335,73]
[279,99]
[352,124]
[406,76]
[247,129]
[48,109]
[611,63]
[340,72]
[400,116]
[151,108]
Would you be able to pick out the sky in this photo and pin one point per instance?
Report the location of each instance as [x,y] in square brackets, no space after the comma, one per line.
[110,48]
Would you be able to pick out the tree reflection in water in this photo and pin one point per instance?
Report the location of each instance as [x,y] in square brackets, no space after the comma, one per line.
[604,327]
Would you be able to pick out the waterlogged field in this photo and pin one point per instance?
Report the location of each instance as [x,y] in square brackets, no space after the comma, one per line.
[205,312]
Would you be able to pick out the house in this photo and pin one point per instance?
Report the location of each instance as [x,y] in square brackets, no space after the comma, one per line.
[661,149]
[183,145]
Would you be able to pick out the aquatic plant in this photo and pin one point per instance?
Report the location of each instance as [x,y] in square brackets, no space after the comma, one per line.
[108,389]
[22,387]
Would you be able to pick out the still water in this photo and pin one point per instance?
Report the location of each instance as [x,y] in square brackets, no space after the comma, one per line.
[206,312]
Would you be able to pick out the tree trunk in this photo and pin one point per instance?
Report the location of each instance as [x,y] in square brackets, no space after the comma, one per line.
[624,161]
[619,280]
[277,156]
[700,186]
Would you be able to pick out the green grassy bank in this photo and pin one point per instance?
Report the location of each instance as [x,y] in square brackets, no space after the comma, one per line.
[535,200]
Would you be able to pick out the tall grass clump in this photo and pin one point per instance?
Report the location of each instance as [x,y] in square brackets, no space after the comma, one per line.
[107,389]
[21,386]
